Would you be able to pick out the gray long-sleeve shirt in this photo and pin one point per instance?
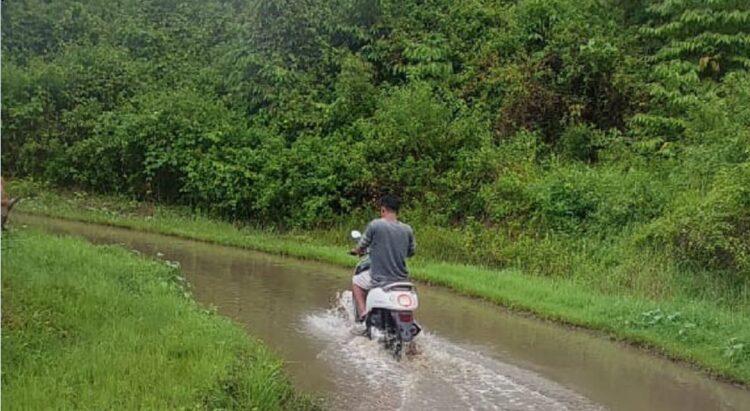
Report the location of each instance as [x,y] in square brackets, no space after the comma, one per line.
[390,243]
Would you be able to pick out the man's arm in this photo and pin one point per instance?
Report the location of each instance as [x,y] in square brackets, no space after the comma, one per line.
[366,240]
[412,245]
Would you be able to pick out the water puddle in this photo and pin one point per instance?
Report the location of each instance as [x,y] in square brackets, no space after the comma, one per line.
[472,356]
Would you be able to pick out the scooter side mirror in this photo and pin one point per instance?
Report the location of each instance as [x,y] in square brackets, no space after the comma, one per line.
[356,235]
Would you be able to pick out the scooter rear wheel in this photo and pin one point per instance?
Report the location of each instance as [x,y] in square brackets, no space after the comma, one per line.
[398,350]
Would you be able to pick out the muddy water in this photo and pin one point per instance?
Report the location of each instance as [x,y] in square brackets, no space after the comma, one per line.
[473,355]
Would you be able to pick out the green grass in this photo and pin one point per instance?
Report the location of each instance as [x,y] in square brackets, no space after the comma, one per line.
[87,327]
[708,333]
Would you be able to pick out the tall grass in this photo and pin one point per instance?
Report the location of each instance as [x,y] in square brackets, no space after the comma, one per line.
[88,327]
[709,333]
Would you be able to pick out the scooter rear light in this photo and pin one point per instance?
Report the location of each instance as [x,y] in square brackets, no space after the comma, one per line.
[404,300]
[405,317]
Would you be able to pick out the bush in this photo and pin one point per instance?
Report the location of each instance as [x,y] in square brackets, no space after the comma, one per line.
[413,138]
[712,231]
[707,222]
[578,142]
[564,201]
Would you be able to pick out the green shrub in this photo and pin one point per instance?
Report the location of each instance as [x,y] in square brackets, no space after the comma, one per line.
[712,231]
[564,200]
[578,143]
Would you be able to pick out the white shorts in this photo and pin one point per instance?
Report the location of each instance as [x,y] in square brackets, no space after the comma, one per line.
[363,280]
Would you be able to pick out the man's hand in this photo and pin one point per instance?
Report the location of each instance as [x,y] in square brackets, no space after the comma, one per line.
[355,251]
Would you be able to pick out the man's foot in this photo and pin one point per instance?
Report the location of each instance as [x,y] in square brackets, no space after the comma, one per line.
[358,330]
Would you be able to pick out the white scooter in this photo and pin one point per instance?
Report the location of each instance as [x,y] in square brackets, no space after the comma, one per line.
[390,310]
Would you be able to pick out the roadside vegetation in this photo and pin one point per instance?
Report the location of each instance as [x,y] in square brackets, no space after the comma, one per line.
[709,334]
[600,147]
[87,327]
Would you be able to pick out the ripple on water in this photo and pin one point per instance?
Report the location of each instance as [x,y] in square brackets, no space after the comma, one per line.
[442,376]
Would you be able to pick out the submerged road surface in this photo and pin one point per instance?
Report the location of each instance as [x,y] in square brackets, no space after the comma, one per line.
[472,355]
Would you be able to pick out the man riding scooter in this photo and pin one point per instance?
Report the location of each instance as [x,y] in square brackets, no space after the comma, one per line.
[389,243]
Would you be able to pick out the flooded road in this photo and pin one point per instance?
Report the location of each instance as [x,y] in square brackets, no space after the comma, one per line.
[473,355]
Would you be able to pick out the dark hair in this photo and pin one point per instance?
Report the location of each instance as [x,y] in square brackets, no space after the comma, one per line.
[391,202]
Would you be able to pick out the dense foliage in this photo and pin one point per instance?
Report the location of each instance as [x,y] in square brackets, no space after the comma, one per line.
[540,126]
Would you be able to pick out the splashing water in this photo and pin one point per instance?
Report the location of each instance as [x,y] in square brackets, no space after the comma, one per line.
[441,375]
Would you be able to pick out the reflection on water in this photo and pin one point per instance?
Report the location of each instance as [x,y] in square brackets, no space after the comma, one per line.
[474,355]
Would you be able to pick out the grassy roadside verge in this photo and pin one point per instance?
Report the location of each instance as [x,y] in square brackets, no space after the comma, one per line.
[88,327]
[715,338]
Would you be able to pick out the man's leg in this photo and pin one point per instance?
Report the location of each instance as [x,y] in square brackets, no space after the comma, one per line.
[360,284]
[360,296]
